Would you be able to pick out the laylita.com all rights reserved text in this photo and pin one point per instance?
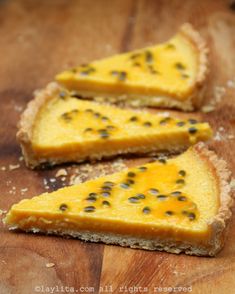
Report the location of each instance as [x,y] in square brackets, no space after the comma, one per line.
[110,289]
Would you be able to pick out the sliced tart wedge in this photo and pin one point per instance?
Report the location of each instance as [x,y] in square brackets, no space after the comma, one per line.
[171,74]
[176,205]
[57,127]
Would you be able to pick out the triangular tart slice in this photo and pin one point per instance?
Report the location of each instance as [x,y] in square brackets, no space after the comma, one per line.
[57,127]
[171,74]
[177,205]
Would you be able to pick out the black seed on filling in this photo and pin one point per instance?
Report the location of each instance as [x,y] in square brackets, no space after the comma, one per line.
[161,197]
[182,173]
[148,56]
[63,207]
[88,130]
[146,210]
[131,174]
[180,181]
[109,127]
[106,188]
[191,216]
[180,123]
[91,199]
[108,183]
[169,213]
[180,66]
[142,168]
[162,160]
[192,121]
[114,73]
[130,181]
[97,114]
[134,55]
[106,194]
[136,64]
[104,135]
[192,130]
[170,46]
[133,199]
[125,185]
[89,208]
[182,198]
[122,76]
[89,110]
[62,94]
[176,193]
[133,118]
[164,120]
[147,124]
[153,191]
[140,196]
[104,118]
[106,203]
[92,194]
[184,76]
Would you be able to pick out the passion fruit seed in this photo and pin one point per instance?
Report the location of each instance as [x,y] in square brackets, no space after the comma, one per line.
[97,114]
[182,198]
[62,94]
[176,193]
[104,118]
[131,174]
[148,56]
[192,121]
[192,130]
[106,188]
[88,130]
[104,134]
[180,123]
[91,199]
[191,216]
[133,118]
[140,196]
[170,46]
[169,213]
[184,76]
[162,160]
[133,199]
[182,173]
[125,185]
[153,191]
[106,194]
[108,183]
[130,181]
[106,203]
[89,209]
[164,121]
[147,124]
[180,66]
[136,64]
[122,76]
[92,194]
[110,127]
[63,207]
[146,210]
[162,197]
[180,181]
[89,110]
[142,168]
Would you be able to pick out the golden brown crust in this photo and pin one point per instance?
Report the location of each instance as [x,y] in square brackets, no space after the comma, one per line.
[199,43]
[220,171]
[28,117]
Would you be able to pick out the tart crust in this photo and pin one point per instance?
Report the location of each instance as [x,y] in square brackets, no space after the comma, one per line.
[193,101]
[218,224]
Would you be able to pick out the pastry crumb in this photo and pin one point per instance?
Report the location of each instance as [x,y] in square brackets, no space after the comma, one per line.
[232,184]
[50,264]
[61,172]
[208,108]
[13,166]
[3,168]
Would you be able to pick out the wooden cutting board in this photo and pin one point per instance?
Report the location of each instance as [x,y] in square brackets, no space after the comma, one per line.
[41,38]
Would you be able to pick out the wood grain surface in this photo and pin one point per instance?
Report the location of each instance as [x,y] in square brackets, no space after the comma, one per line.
[39,39]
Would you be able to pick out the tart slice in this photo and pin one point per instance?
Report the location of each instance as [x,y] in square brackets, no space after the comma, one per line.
[177,205]
[57,127]
[171,74]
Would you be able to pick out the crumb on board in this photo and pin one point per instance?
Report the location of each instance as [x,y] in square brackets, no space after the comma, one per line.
[232,184]
[208,108]
[13,166]
[50,264]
